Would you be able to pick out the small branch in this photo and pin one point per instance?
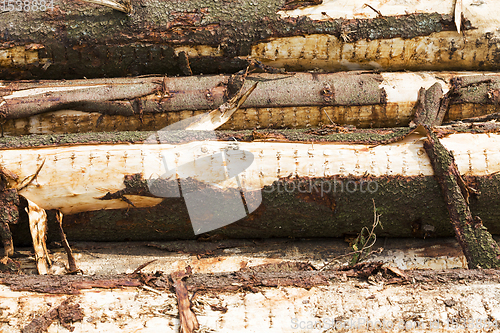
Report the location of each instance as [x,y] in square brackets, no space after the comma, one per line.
[138,269]
[71,260]
[361,240]
[26,181]
[375,10]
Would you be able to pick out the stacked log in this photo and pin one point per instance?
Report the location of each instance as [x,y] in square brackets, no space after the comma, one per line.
[164,120]
[82,146]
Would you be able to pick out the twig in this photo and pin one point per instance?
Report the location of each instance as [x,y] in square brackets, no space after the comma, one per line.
[376,222]
[328,117]
[138,269]
[376,11]
[26,181]
[71,260]
[151,289]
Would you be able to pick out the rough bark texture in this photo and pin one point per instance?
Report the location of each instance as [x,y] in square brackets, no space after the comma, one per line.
[9,214]
[479,247]
[444,300]
[295,100]
[294,208]
[325,134]
[79,39]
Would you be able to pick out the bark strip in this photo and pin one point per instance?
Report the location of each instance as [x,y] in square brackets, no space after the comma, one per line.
[72,268]
[38,228]
[188,320]
[479,247]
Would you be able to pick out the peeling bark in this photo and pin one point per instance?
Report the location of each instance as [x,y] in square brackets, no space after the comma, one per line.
[479,247]
[188,321]
[38,228]
[66,312]
[293,100]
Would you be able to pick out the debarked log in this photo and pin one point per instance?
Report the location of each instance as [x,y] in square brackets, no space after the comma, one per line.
[223,301]
[294,183]
[292,100]
[76,40]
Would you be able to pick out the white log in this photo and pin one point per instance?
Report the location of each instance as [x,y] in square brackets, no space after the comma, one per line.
[73,178]
[270,309]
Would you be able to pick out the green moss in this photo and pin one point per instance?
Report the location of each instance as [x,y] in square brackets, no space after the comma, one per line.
[138,137]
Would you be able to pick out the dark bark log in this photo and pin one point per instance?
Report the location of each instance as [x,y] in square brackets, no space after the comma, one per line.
[79,39]
[410,207]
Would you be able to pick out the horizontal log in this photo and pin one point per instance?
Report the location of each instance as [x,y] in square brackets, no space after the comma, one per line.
[76,40]
[264,307]
[295,100]
[299,184]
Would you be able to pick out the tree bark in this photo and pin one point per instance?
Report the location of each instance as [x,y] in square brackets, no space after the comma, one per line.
[223,301]
[299,198]
[293,100]
[479,247]
[76,40]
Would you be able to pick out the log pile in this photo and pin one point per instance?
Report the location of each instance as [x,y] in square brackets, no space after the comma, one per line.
[88,147]
[160,120]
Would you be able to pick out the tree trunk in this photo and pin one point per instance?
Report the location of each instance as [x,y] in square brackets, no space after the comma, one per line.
[78,39]
[297,100]
[312,182]
[284,297]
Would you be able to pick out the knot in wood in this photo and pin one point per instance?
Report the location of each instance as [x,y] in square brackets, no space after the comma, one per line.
[328,93]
